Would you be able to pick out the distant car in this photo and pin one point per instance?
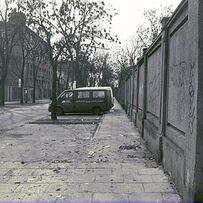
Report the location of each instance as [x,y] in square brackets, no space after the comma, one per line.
[85,100]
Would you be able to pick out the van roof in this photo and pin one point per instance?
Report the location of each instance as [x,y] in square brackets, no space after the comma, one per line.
[93,88]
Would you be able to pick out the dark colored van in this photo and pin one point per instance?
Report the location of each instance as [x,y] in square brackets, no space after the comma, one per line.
[85,100]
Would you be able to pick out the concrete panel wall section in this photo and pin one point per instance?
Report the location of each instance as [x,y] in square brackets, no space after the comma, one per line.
[135,96]
[153,99]
[164,98]
[199,139]
[139,120]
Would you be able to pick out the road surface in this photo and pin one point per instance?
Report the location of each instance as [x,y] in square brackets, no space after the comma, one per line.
[14,115]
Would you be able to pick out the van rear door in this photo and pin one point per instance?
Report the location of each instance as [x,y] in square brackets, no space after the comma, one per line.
[99,99]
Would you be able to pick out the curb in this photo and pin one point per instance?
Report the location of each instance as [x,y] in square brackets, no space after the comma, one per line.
[98,127]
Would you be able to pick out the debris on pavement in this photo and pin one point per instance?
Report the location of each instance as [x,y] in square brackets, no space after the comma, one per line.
[130,147]
[90,154]
[66,162]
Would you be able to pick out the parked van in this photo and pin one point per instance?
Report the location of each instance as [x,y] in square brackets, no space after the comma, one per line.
[85,100]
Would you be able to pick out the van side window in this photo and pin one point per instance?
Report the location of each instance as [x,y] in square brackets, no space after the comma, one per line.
[83,95]
[98,94]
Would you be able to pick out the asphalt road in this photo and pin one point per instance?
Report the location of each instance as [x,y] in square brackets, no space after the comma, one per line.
[14,115]
[28,134]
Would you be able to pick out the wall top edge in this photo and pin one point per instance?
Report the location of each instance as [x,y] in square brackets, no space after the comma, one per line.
[178,10]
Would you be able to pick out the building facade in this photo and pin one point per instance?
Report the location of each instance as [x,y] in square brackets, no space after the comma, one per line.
[29,74]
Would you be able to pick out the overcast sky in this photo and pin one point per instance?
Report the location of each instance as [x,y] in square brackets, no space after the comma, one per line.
[130,15]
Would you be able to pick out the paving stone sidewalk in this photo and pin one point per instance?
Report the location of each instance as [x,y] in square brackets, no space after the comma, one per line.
[115,166]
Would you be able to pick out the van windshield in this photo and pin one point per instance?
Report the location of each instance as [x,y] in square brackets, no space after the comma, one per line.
[66,96]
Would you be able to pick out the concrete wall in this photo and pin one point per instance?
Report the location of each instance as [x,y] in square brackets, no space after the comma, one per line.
[167,98]
[178,101]
[153,99]
[199,139]
[135,96]
[139,120]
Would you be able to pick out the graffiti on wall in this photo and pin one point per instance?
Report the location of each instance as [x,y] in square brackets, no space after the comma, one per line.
[153,101]
[191,98]
[178,74]
[141,87]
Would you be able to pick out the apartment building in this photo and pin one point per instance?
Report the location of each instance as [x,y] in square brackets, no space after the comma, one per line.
[29,69]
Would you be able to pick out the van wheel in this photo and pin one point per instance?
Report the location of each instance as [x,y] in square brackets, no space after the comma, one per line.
[97,110]
[59,111]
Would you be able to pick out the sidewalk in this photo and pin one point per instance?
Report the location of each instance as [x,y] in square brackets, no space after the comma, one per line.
[112,165]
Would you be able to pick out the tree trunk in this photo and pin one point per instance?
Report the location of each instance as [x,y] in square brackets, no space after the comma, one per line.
[67,81]
[21,91]
[78,73]
[54,89]
[2,93]
[3,76]
[22,75]
[58,86]
[78,76]
[34,90]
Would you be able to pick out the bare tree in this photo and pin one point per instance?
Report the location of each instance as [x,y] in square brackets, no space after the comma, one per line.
[36,48]
[47,24]
[68,27]
[101,70]
[7,41]
[20,46]
[91,33]
[147,34]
